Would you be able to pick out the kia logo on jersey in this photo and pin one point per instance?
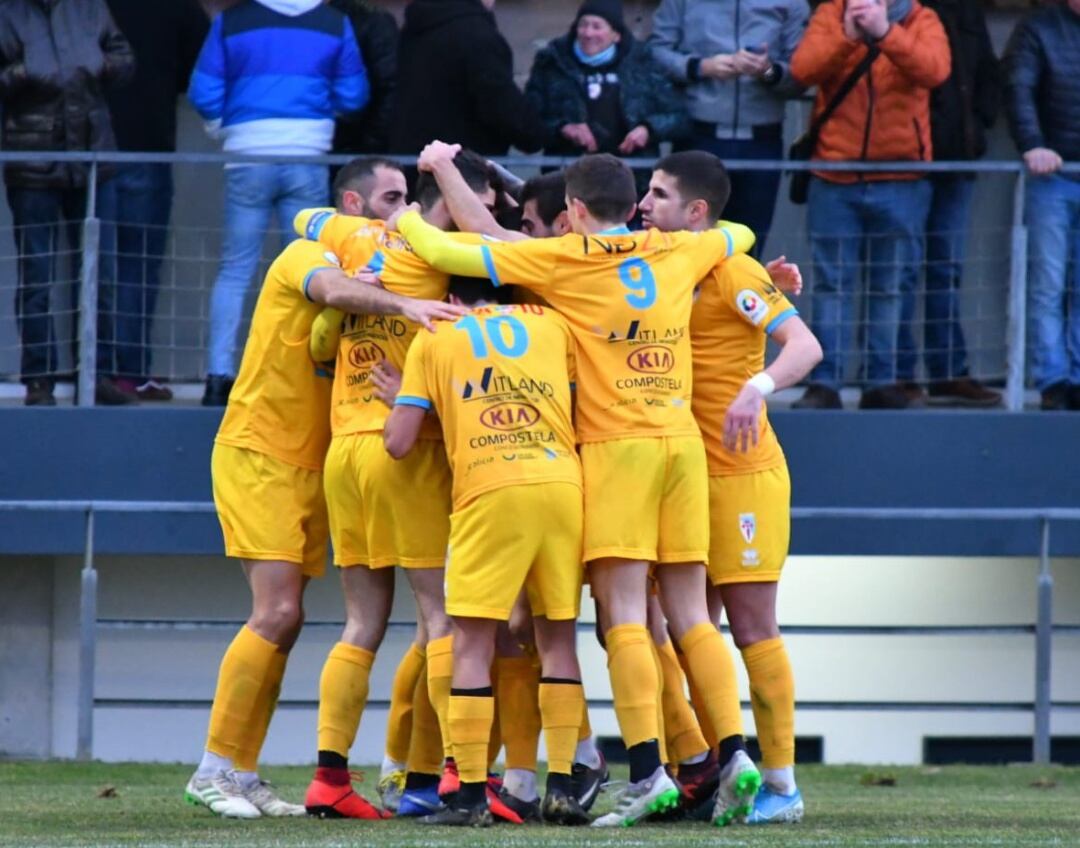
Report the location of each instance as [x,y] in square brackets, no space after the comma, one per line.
[365,354]
[651,359]
[509,416]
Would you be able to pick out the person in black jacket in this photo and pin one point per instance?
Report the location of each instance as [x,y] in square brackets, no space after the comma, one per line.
[368,131]
[599,90]
[166,37]
[56,58]
[1043,62]
[456,82]
[961,110]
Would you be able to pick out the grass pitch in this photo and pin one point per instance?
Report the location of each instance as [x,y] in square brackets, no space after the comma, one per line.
[68,804]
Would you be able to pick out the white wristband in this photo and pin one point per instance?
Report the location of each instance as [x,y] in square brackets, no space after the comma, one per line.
[763,383]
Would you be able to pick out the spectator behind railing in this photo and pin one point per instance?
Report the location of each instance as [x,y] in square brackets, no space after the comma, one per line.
[368,131]
[456,82]
[56,57]
[599,90]
[961,110]
[270,79]
[734,58]
[879,216]
[1043,62]
[165,36]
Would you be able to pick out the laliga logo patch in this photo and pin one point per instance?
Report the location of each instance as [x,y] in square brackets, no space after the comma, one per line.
[752,305]
[747,526]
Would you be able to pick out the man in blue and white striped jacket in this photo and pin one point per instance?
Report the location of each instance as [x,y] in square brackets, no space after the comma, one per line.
[270,79]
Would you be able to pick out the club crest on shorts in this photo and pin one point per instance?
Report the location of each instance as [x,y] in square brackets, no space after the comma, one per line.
[747,526]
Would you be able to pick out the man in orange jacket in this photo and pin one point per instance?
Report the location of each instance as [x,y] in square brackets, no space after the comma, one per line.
[874,217]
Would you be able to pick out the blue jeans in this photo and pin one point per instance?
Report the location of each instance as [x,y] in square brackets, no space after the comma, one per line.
[872,227]
[753,193]
[144,194]
[944,349]
[1052,216]
[252,194]
[37,215]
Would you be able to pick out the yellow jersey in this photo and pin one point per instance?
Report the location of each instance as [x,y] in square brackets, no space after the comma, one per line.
[736,309]
[369,339]
[280,401]
[499,381]
[627,299]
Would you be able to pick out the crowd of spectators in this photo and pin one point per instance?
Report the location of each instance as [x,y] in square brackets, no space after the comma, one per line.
[895,80]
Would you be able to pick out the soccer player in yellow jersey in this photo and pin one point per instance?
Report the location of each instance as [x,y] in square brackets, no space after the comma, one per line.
[382,513]
[736,311]
[267,481]
[627,298]
[498,379]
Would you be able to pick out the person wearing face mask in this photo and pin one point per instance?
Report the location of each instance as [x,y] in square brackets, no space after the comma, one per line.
[598,90]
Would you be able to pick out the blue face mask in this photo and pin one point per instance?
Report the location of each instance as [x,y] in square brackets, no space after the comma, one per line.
[898,10]
[602,58]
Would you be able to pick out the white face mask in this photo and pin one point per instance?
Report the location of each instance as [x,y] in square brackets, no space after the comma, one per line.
[292,8]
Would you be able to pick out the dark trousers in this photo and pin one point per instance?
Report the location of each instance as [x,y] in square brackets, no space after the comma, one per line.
[38,215]
[753,193]
[144,194]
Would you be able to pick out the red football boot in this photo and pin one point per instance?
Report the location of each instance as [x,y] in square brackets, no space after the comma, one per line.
[331,796]
[499,809]
[449,783]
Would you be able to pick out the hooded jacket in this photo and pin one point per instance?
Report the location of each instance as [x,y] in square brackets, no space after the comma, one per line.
[56,57]
[272,75]
[557,91]
[886,117]
[456,82]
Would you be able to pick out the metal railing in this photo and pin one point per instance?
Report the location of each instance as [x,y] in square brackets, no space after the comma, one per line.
[1042,704]
[1001,341]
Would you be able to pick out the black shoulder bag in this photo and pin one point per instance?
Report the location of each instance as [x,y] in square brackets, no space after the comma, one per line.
[803,147]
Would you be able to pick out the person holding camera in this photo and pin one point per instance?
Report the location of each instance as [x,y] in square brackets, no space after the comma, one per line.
[874,63]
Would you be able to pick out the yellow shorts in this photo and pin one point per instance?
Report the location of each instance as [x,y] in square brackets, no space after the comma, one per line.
[385,511]
[646,499]
[750,526]
[511,537]
[269,509]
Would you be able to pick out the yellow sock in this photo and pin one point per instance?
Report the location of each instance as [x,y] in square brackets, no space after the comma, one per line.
[240,689]
[698,702]
[470,729]
[561,705]
[772,696]
[247,753]
[399,721]
[440,672]
[585,731]
[713,671]
[343,692]
[681,728]
[662,736]
[517,685]
[635,685]
[426,744]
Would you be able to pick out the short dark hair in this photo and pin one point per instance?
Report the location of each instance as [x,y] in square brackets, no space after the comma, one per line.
[699,176]
[355,173]
[471,290]
[604,184]
[549,192]
[474,168]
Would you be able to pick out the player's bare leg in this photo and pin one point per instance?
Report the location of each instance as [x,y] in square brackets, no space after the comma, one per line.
[249,681]
[621,590]
[343,691]
[683,595]
[751,611]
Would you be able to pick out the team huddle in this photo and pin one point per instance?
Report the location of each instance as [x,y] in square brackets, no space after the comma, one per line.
[507,398]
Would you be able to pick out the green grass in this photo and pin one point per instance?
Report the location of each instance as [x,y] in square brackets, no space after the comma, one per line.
[46,804]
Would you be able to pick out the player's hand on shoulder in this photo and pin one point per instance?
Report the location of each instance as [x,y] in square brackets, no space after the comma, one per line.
[741,420]
[387,382]
[368,277]
[785,275]
[427,312]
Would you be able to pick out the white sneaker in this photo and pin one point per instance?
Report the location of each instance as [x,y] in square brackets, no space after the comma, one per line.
[739,784]
[266,801]
[221,795]
[656,794]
